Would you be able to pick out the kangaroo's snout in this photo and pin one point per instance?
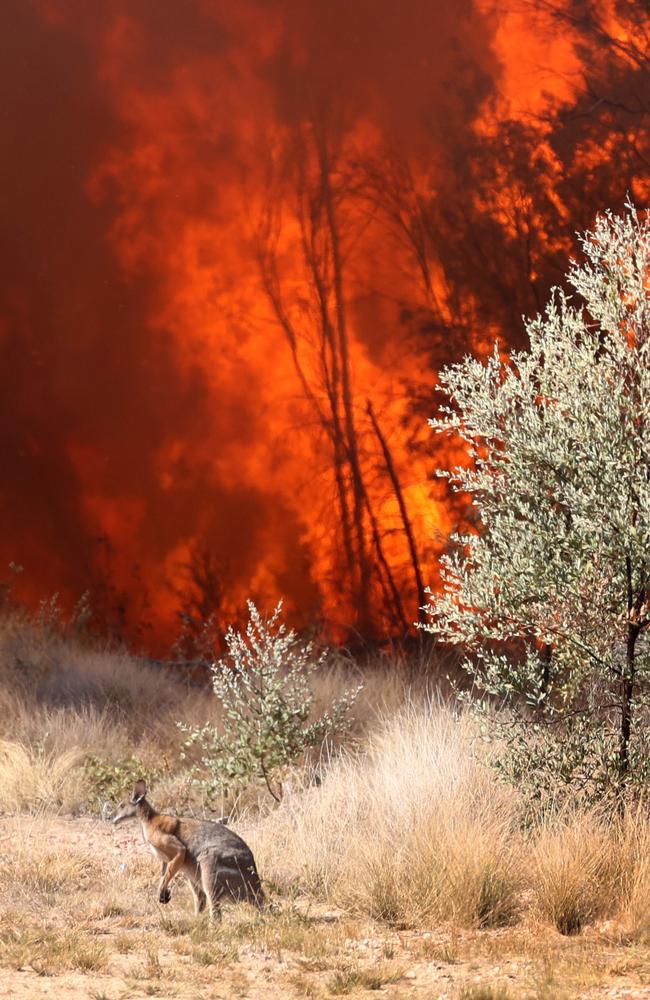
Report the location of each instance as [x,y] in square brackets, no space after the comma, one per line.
[125,810]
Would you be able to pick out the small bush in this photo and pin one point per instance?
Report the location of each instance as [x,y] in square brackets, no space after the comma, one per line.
[267,703]
[107,780]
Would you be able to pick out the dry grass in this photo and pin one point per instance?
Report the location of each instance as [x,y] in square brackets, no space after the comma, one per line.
[485,993]
[64,699]
[576,865]
[586,866]
[414,830]
[355,977]
[408,826]
[31,778]
[49,951]
[626,880]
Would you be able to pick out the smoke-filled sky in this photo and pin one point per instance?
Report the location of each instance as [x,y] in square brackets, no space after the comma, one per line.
[151,411]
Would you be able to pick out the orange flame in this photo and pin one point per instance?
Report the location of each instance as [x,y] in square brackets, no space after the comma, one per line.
[164,409]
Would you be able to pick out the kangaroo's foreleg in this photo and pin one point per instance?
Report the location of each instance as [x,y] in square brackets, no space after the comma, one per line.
[171,867]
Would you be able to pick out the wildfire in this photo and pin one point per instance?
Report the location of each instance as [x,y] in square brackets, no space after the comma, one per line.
[241,238]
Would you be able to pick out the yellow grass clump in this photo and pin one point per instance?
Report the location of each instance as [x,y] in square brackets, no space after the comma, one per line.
[31,779]
[414,830]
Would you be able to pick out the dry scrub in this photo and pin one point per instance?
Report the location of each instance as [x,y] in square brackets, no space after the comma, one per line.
[32,778]
[78,719]
[417,830]
[408,825]
[79,918]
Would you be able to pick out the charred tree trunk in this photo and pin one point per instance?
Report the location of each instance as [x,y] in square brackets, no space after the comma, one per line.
[391,590]
[358,490]
[330,422]
[406,522]
[330,364]
[636,604]
[627,693]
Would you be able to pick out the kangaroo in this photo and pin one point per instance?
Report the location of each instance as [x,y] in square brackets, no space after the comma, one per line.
[217,863]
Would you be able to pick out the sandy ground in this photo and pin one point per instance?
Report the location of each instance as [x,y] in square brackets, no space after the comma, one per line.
[79,919]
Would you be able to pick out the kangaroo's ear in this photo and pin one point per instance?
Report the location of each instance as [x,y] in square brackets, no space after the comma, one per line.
[139,792]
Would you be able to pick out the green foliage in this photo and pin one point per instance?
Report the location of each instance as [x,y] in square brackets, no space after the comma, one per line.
[577,755]
[107,780]
[549,597]
[262,685]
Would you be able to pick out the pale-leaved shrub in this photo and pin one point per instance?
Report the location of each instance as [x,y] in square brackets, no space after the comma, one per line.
[268,721]
[550,596]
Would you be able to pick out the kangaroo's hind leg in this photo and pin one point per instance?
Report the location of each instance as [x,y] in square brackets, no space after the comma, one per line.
[200,898]
[193,873]
[255,892]
[226,878]
[212,888]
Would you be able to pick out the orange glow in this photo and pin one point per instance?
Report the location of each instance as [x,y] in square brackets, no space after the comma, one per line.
[200,143]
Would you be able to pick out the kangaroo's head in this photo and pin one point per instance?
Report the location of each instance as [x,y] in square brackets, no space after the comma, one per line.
[129,808]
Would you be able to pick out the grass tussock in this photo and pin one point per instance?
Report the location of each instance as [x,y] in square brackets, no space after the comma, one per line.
[629,840]
[576,868]
[32,778]
[589,866]
[414,830]
[355,977]
[485,992]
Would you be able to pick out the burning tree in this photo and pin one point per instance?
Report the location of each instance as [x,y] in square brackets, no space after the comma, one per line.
[311,195]
[550,598]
